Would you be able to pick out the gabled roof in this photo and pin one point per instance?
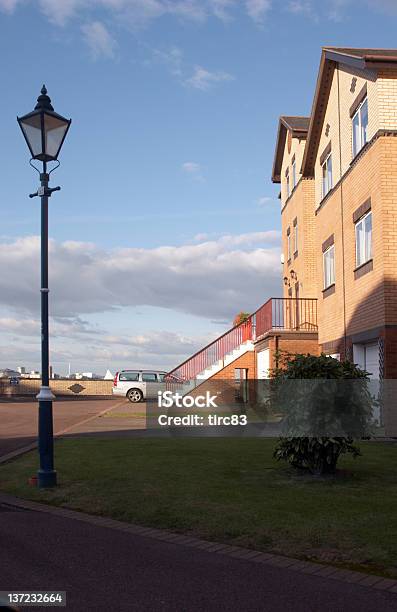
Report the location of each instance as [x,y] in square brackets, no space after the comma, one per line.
[365,54]
[330,57]
[298,126]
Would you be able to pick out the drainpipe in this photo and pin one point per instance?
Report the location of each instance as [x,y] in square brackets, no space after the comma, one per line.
[276,339]
[341,210]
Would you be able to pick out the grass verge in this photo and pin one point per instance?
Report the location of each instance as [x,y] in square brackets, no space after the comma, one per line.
[230,490]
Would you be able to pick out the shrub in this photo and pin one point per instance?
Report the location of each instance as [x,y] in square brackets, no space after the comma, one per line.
[326,405]
[241,317]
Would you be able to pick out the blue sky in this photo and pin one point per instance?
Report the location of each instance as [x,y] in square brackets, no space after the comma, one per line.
[167,222]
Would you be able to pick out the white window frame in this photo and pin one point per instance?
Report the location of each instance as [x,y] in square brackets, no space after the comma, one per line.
[293,174]
[287,183]
[363,246]
[326,175]
[363,133]
[296,237]
[329,279]
[289,246]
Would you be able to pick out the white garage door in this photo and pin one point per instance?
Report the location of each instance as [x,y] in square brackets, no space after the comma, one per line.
[372,359]
[366,356]
[263,364]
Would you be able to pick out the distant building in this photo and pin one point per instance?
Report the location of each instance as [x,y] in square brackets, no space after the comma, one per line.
[21,369]
[34,374]
[8,373]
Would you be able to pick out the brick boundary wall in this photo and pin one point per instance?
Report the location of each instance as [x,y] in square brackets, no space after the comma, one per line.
[60,388]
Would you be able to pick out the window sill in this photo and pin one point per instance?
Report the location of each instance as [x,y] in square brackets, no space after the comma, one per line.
[295,254]
[325,198]
[357,155]
[364,268]
[328,290]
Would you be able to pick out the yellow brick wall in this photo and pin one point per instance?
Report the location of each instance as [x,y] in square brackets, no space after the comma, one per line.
[297,149]
[388,222]
[342,95]
[300,206]
[387,95]
[365,306]
[58,387]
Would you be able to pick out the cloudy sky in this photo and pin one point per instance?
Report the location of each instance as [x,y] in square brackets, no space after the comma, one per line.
[167,223]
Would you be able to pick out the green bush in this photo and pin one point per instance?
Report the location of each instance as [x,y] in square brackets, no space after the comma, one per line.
[325,404]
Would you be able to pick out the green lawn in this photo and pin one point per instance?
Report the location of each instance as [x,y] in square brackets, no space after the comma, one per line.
[231,490]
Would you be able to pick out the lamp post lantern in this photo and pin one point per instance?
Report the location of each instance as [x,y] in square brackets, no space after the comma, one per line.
[45,131]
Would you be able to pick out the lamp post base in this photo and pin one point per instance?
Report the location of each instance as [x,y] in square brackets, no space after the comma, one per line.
[46,476]
[46,479]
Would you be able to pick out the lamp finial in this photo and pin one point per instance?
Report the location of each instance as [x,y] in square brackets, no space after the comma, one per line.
[44,101]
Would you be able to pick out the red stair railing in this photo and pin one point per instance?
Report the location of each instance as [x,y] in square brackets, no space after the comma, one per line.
[214,352]
[295,314]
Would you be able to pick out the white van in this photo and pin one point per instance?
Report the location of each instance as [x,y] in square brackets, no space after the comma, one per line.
[138,385]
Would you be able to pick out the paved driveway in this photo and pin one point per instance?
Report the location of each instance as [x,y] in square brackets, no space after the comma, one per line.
[18,419]
[104,569]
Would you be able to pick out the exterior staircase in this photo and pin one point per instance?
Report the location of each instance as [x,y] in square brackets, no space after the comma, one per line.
[288,314]
[227,359]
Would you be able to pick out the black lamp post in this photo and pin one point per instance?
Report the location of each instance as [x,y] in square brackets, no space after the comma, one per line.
[45,131]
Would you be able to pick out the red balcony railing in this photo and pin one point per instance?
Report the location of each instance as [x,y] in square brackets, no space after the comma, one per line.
[295,314]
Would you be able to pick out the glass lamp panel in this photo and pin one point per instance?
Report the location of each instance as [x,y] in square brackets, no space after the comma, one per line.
[32,129]
[55,130]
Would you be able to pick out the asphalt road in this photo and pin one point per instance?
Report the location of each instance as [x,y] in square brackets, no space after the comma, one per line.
[104,569]
[18,420]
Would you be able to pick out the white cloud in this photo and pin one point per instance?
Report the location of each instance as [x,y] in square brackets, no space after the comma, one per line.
[20,345]
[264,201]
[300,6]
[257,9]
[99,40]
[208,279]
[193,169]
[61,11]
[211,279]
[204,79]
[8,6]
[172,59]
[221,8]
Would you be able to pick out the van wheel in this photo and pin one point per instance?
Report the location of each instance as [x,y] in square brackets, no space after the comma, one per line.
[135,395]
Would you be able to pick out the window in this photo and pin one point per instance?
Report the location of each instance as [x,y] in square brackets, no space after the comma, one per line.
[293,172]
[296,237]
[287,184]
[288,244]
[146,377]
[329,266]
[360,127]
[364,239]
[326,175]
[134,376]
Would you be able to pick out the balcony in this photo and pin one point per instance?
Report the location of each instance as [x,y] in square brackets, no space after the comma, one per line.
[288,314]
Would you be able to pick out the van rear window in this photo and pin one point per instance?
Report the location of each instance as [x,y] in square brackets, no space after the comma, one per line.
[129,376]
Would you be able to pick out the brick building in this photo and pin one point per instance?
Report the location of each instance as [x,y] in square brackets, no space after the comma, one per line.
[337,170]
[343,201]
